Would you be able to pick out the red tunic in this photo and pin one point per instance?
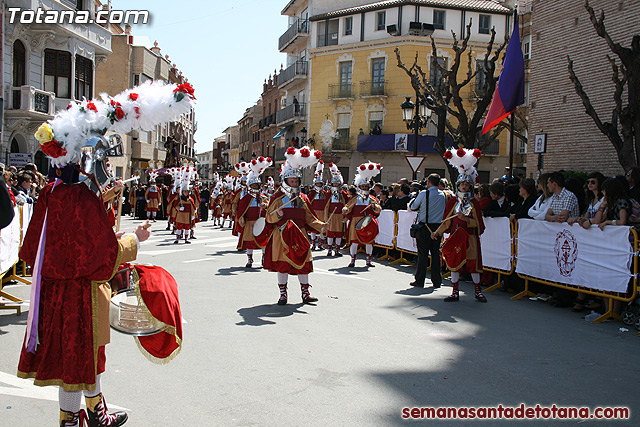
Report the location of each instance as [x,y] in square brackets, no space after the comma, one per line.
[304,219]
[80,248]
[471,262]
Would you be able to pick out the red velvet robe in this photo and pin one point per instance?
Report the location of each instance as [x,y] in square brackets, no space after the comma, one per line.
[80,250]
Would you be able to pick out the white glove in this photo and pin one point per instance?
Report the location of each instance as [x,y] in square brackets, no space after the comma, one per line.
[21,199]
[181,208]
[147,201]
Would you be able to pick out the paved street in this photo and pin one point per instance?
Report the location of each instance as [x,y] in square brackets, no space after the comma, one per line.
[370,347]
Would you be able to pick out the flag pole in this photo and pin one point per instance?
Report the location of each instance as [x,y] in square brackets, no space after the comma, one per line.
[511,141]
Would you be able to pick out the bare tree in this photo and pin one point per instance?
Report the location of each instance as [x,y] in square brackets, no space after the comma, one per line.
[624,128]
[462,126]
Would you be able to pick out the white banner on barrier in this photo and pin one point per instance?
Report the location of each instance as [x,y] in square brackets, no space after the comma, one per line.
[495,243]
[386,225]
[27,213]
[10,243]
[572,255]
[404,241]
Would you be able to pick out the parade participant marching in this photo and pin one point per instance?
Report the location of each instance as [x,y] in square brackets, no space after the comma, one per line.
[463,221]
[185,208]
[243,169]
[216,204]
[271,187]
[289,251]
[152,197]
[251,208]
[337,200]
[319,203]
[195,198]
[362,211]
[173,199]
[227,200]
[74,251]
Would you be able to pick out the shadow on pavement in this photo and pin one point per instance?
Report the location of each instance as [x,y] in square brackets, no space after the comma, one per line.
[260,314]
[415,291]
[233,271]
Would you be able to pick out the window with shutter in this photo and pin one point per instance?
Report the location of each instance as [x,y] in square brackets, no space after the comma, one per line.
[57,72]
[84,78]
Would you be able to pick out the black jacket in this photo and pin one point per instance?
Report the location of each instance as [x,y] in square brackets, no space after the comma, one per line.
[6,205]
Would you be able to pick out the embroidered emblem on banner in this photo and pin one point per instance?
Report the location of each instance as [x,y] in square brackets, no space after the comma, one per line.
[566,249]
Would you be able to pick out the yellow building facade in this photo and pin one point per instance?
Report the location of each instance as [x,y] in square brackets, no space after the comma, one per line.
[359,88]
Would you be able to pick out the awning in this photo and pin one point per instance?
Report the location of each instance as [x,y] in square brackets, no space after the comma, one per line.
[282,132]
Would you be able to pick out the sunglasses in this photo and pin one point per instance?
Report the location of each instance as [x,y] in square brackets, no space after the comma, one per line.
[592,181]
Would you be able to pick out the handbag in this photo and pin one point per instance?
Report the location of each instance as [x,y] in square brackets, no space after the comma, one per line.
[416,227]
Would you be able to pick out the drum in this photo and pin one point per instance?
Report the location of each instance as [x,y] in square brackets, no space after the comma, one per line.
[367,229]
[261,232]
[126,311]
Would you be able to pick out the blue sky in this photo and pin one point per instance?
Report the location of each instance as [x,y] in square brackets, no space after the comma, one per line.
[225,48]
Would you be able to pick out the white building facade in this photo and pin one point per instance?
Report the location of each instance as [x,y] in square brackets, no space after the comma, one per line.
[45,67]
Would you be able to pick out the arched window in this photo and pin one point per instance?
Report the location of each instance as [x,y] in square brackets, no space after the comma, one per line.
[15,146]
[19,64]
[41,162]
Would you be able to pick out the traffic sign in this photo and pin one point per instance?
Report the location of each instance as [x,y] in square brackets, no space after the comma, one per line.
[415,162]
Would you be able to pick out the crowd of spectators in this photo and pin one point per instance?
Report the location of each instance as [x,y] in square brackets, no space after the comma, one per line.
[23,184]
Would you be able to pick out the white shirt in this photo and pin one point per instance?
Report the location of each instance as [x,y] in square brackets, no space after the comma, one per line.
[539,209]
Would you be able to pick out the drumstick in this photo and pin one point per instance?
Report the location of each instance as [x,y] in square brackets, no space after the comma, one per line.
[465,213]
[289,202]
[135,178]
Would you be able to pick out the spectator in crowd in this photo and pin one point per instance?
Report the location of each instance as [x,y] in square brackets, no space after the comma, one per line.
[403,181]
[25,189]
[539,209]
[6,201]
[528,193]
[430,205]
[377,188]
[400,203]
[384,199]
[633,178]
[564,204]
[576,186]
[507,178]
[498,206]
[512,197]
[593,199]
[615,208]
[415,188]
[483,196]
[445,188]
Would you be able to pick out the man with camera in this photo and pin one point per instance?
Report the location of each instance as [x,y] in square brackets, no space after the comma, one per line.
[429,204]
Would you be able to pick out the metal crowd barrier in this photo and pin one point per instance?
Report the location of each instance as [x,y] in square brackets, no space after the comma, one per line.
[14,273]
[609,296]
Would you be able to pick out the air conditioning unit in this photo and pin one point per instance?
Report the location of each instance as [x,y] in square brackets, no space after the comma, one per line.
[392,29]
[415,28]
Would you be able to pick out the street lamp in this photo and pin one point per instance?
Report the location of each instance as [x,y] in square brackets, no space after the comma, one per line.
[416,118]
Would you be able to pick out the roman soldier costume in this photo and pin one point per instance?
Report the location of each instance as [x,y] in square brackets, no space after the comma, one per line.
[362,211]
[319,203]
[292,217]
[243,169]
[185,207]
[74,251]
[463,222]
[153,197]
[215,203]
[251,211]
[227,200]
[337,200]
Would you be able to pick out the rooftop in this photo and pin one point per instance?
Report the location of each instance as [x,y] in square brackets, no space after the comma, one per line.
[491,6]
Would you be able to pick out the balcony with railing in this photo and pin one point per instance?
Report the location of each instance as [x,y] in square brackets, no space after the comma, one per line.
[299,28]
[341,91]
[373,88]
[295,71]
[342,143]
[290,112]
[34,101]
